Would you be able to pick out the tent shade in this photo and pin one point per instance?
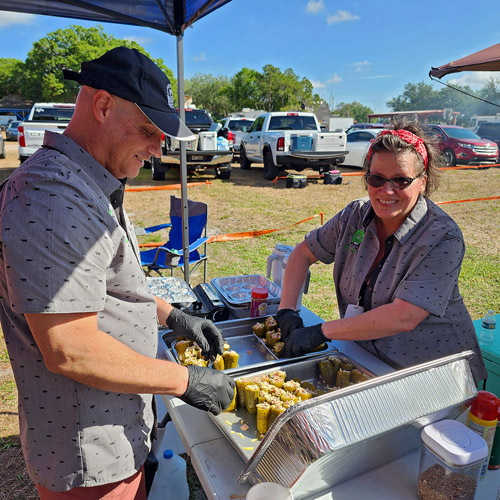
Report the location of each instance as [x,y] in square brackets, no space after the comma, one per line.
[485,60]
[171,16]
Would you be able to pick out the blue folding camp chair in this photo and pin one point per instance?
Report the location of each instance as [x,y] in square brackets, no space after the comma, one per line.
[169,255]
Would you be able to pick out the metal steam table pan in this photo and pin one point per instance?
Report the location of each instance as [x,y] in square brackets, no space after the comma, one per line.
[253,353]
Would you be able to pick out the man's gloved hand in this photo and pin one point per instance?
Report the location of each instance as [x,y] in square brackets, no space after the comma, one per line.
[303,340]
[288,320]
[201,330]
[208,389]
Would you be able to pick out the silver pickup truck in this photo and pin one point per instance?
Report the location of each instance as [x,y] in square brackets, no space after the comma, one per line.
[43,116]
[284,139]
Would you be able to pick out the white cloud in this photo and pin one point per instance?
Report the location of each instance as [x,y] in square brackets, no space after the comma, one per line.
[317,84]
[141,40]
[361,65]
[376,77]
[334,78]
[9,18]
[202,56]
[314,6]
[475,78]
[341,16]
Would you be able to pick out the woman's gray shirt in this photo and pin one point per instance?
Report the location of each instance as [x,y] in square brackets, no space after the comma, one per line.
[422,268]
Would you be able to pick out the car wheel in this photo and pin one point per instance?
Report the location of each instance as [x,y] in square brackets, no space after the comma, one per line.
[223,172]
[449,158]
[244,162]
[156,175]
[271,171]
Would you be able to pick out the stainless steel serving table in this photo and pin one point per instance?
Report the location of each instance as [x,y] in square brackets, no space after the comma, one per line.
[218,465]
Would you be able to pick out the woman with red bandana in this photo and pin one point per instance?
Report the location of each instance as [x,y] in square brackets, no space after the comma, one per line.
[397,260]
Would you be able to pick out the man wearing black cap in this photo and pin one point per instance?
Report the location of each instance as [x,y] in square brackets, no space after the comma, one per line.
[78,318]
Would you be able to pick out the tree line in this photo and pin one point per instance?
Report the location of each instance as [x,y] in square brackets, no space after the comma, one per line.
[39,78]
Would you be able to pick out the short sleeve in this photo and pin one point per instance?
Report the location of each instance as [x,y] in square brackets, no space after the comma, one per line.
[56,249]
[431,284]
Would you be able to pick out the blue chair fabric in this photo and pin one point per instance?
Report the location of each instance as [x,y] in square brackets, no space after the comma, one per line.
[169,256]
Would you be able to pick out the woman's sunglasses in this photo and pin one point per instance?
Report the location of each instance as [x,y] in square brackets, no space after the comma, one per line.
[396,182]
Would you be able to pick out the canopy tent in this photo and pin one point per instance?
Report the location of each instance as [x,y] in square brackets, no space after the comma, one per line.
[170,16]
[485,60]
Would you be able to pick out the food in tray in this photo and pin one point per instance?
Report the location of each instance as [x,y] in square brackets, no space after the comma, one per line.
[267,396]
[189,353]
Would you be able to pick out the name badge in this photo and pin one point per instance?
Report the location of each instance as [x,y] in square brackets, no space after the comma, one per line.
[353,310]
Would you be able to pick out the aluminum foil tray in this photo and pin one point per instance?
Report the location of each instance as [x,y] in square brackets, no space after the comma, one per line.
[246,441]
[237,290]
[321,442]
[173,290]
[254,354]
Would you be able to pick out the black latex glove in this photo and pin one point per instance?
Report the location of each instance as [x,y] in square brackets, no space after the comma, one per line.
[303,340]
[208,389]
[201,330]
[288,320]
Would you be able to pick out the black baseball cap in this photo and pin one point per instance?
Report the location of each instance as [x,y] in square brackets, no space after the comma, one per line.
[128,74]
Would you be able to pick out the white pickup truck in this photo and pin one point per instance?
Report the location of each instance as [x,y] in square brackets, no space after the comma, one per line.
[282,139]
[43,116]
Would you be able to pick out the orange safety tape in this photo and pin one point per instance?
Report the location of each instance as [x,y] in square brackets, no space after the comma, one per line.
[242,235]
[166,188]
[471,199]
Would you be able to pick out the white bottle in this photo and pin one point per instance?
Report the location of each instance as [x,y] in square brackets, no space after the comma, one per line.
[170,481]
[486,336]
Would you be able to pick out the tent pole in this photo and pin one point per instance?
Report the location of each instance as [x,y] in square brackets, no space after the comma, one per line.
[183,165]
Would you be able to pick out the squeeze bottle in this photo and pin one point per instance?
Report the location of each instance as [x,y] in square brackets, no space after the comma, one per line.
[170,481]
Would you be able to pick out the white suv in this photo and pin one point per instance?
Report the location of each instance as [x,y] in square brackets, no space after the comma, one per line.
[233,128]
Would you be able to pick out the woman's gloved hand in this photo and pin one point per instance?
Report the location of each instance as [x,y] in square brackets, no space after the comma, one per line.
[288,320]
[201,330]
[303,340]
[208,389]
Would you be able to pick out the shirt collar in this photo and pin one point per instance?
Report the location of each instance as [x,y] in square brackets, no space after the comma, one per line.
[112,187]
[409,224]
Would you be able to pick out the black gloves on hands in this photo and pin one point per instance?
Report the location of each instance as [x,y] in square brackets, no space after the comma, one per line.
[208,390]
[201,330]
[288,320]
[303,340]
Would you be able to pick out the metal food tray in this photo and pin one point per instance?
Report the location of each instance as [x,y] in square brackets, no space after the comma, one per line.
[238,333]
[246,441]
[173,290]
[324,441]
[237,290]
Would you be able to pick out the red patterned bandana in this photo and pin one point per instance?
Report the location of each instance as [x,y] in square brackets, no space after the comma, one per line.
[409,138]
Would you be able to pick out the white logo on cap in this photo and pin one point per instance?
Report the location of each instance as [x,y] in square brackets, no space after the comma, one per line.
[170,96]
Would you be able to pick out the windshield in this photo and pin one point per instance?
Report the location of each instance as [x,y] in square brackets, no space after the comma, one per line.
[14,124]
[197,118]
[461,133]
[239,124]
[53,114]
[289,122]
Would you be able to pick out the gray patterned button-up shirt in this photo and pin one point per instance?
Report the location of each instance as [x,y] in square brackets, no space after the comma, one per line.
[63,250]
[421,268]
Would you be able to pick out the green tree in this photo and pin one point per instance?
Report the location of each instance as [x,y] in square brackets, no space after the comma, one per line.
[210,92]
[67,49]
[354,110]
[415,97]
[243,90]
[11,76]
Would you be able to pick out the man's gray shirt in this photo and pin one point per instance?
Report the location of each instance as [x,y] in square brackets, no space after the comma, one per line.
[63,250]
[421,268]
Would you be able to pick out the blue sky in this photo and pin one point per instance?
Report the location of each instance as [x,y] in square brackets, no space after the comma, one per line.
[351,50]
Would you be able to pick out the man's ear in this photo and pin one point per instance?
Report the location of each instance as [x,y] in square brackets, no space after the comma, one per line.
[102,105]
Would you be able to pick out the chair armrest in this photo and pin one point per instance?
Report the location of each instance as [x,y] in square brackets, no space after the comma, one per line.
[153,229]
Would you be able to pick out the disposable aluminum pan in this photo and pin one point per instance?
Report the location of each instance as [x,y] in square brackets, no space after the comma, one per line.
[237,290]
[173,290]
[321,442]
[253,353]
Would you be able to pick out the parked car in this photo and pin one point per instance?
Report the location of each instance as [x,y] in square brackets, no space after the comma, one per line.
[357,126]
[11,131]
[358,142]
[233,129]
[462,146]
[490,131]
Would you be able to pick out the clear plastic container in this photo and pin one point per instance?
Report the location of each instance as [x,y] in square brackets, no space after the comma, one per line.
[450,461]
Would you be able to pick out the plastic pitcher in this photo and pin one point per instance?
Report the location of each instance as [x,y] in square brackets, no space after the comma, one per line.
[275,262]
